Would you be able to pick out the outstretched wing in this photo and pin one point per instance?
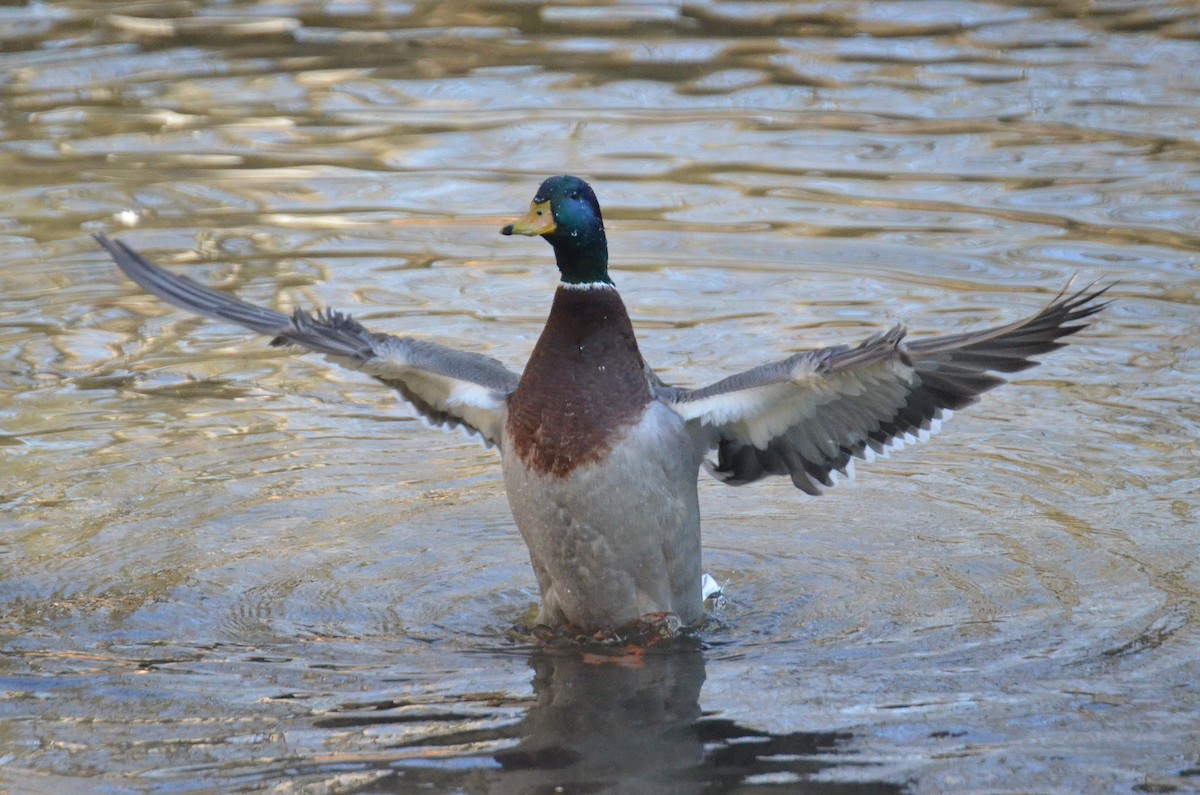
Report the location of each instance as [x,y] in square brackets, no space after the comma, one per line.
[447,387]
[811,414]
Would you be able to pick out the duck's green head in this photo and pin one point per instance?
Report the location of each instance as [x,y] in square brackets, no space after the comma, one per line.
[565,212]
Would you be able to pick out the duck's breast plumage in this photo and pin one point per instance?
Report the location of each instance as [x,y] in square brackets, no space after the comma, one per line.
[584,383]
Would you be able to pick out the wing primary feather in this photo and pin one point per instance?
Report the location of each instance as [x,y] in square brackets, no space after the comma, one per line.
[190,295]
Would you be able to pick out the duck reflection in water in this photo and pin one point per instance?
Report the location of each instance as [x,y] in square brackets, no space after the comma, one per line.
[613,721]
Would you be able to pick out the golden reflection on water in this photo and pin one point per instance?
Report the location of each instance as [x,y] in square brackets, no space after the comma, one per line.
[209,543]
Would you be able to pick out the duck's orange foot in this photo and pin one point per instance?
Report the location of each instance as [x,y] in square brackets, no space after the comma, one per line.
[659,627]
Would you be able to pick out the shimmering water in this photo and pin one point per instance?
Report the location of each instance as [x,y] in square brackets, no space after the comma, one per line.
[224,567]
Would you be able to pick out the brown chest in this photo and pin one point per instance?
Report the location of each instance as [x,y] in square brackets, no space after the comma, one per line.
[584,385]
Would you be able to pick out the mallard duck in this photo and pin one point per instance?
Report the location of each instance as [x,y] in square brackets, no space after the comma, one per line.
[600,457]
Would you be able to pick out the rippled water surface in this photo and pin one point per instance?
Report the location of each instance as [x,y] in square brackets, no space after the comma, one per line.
[226,567]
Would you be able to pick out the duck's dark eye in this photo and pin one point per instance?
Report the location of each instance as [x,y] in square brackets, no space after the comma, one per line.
[574,194]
